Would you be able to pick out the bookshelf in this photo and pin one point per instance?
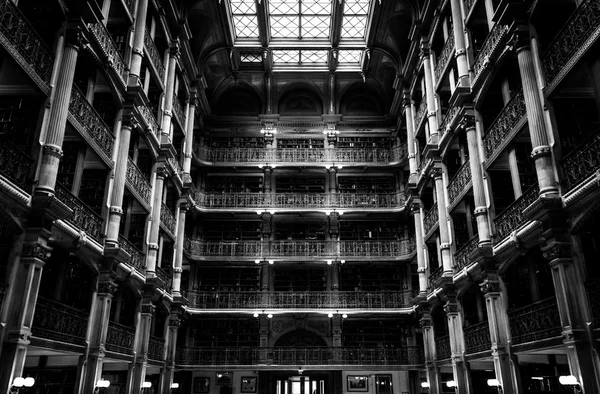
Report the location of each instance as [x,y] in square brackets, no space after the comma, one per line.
[300,185]
[300,143]
[369,230]
[363,184]
[237,142]
[234,184]
[364,142]
[300,231]
[228,278]
[227,332]
[231,231]
[369,278]
[300,279]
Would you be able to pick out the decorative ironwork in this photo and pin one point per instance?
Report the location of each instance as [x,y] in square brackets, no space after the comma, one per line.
[461,257]
[569,41]
[110,49]
[156,348]
[449,118]
[137,182]
[90,124]
[167,219]
[442,348]
[488,49]
[312,356]
[460,182]
[468,6]
[536,321]
[138,259]
[376,248]
[445,56]
[512,218]
[435,275]
[477,338]
[22,37]
[507,120]
[174,163]
[55,321]
[15,165]
[154,56]
[421,112]
[431,219]
[165,277]
[83,217]
[119,338]
[593,291]
[178,111]
[582,162]
[130,7]
[150,120]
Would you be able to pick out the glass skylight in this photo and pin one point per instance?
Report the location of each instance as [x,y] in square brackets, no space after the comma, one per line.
[250,57]
[349,56]
[302,56]
[245,20]
[354,20]
[300,19]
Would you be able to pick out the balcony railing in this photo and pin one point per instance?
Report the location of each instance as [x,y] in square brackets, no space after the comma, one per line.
[138,259]
[461,257]
[90,125]
[507,120]
[435,275]
[299,200]
[154,57]
[421,112]
[301,300]
[119,338]
[20,38]
[445,56]
[110,49]
[149,119]
[326,250]
[582,162]
[178,112]
[534,322]
[347,156]
[165,277]
[448,119]
[593,291]
[468,5]
[167,220]
[460,182]
[58,322]
[442,348]
[308,356]
[512,218]
[15,165]
[137,183]
[570,40]
[156,348]
[83,217]
[477,338]
[431,219]
[488,50]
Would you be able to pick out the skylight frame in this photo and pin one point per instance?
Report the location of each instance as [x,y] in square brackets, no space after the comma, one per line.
[288,20]
[244,19]
[355,19]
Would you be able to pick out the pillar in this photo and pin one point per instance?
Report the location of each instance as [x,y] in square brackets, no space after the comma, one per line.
[137,52]
[168,371]
[410,133]
[268,178]
[152,255]
[460,52]
[429,94]
[179,238]
[169,92]
[443,221]
[142,337]
[332,92]
[515,178]
[334,270]
[189,137]
[457,346]
[333,184]
[268,87]
[432,370]
[419,241]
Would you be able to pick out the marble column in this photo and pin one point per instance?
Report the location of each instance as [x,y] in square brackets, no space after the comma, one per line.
[166,137]
[410,133]
[142,338]
[137,52]
[419,245]
[429,95]
[443,221]
[189,138]
[168,371]
[432,370]
[152,255]
[460,52]
[457,346]
[179,238]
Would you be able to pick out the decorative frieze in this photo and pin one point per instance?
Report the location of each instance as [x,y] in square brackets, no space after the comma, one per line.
[58,322]
[477,338]
[581,163]
[119,338]
[536,321]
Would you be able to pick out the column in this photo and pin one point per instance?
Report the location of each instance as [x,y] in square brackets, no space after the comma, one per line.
[457,346]
[333,184]
[541,153]
[189,137]
[142,337]
[512,153]
[268,87]
[506,371]
[480,211]
[179,238]
[574,313]
[268,178]
[169,92]
[334,232]
[429,94]
[166,378]
[460,53]
[443,220]
[332,92]
[57,120]
[263,333]
[421,263]
[334,271]
[432,371]
[410,133]
[137,52]
[151,256]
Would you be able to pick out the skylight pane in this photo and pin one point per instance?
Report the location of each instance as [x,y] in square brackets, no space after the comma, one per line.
[286,56]
[284,27]
[315,26]
[316,7]
[349,56]
[314,56]
[250,57]
[242,7]
[355,7]
[246,26]
[277,7]
[354,26]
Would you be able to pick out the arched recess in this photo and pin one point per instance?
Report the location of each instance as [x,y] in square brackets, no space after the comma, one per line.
[300,338]
[301,100]
[238,99]
[362,99]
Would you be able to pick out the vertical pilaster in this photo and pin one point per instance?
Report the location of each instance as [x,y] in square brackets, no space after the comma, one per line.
[443,220]
[152,254]
[142,338]
[457,346]
[137,52]
[179,238]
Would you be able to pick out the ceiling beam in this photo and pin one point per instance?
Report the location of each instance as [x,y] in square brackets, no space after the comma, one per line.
[263,22]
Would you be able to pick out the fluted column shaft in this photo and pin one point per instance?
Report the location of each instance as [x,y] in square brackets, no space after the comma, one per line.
[460,52]
[152,254]
[457,346]
[419,244]
[169,92]
[166,378]
[189,134]
[179,238]
[139,32]
[433,373]
[429,94]
[137,374]
[410,134]
[443,221]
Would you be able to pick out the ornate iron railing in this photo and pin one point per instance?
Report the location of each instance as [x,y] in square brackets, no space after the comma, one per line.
[167,219]
[460,182]
[461,257]
[421,112]
[468,5]
[55,321]
[308,356]
[507,120]
[198,249]
[431,219]
[156,348]
[137,182]
[580,26]
[165,277]
[174,163]
[178,111]
[150,120]
[449,119]
[582,162]
[130,7]
[110,49]
[534,322]
[300,300]
[477,338]
[22,37]
[299,200]
[83,217]
[154,57]
[15,165]
[445,56]
[512,218]
[442,348]
[138,259]
[593,291]
[119,338]
[90,124]
[488,49]
[435,275]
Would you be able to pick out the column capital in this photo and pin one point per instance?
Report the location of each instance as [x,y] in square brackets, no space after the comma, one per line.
[467,122]
[162,172]
[37,251]
[490,287]
[557,250]
[436,173]
[451,307]
[520,39]
[107,287]
[148,308]
[76,38]
[130,121]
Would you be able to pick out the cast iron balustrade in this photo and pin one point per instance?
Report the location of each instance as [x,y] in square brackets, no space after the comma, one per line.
[582,25]
[449,119]
[174,164]
[57,322]
[461,257]
[431,219]
[468,5]
[83,217]
[130,7]
[300,300]
[512,218]
[306,356]
[582,162]
[327,250]
[178,112]
[512,114]
[149,119]
[119,338]
[435,275]
[165,277]
[442,348]
[445,56]
[22,41]
[421,112]
[137,183]
[477,338]
[90,125]
[167,220]
[15,165]
[488,50]
[156,348]
[593,291]
[460,182]
[110,49]
[138,259]
[154,57]
[299,200]
[534,322]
